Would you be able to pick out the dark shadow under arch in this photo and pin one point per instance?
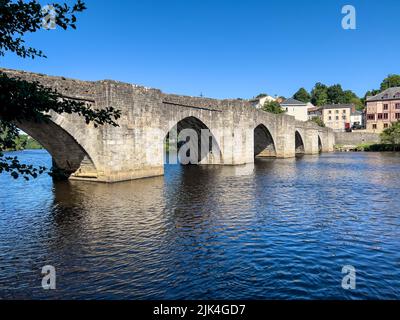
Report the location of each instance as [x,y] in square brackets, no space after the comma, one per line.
[68,156]
[299,144]
[264,145]
[206,147]
[319,144]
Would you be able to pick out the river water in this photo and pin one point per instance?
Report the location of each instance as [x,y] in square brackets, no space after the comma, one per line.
[282,229]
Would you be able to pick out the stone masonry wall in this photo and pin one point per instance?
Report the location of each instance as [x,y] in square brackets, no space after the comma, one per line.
[356,138]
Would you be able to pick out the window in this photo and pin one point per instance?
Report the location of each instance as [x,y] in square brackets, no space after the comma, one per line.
[397,105]
[344,117]
[386,125]
[385,107]
[386,116]
[380,116]
[330,118]
[374,126]
[337,117]
[385,96]
[337,111]
[344,111]
[397,115]
[330,111]
[397,95]
[371,117]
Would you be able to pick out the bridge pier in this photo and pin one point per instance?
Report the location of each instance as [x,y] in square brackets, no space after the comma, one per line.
[310,136]
[285,137]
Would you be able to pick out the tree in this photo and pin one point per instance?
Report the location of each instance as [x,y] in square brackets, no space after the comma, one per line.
[273,107]
[318,121]
[302,95]
[392,80]
[261,95]
[335,94]
[351,98]
[369,93]
[319,95]
[322,94]
[391,135]
[25,101]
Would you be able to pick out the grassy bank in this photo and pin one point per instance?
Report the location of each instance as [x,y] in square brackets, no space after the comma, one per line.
[25,142]
[380,147]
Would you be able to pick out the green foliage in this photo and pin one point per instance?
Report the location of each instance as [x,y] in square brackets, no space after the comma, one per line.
[25,142]
[335,94]
[18,18]
[22,100]
[380,147]
[26,101]
[322,94]
[273,107]
[391,135]
[319,95]
[351,98]
[318,121]
[392,80]
[302,95]
[261,95]
[364,147]
[369,93]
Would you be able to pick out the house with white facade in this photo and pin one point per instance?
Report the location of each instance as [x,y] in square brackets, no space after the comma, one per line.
[296,108]
[259,103]
[356,118]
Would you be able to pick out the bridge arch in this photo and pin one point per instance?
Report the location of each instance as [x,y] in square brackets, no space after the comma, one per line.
[299,144]
[264,145]
[69,157]
[202,147]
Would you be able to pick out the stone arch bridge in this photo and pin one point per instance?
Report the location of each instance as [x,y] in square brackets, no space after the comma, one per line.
[136,148]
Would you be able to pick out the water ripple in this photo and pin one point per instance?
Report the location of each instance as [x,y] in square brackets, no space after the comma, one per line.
[282,231]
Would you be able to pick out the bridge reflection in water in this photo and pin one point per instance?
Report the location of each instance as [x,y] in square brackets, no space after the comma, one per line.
[275,229]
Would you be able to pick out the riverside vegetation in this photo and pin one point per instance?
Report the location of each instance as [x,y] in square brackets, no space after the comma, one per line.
[25,142]
[390,142]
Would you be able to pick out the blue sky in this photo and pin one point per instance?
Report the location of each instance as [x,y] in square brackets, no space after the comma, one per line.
[224,49]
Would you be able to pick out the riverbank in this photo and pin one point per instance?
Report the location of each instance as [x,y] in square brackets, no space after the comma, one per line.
[375,147]
[25,142]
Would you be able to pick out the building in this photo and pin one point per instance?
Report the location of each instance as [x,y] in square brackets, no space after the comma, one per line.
[383,109]
[314,112]
[356,118]
[296,108]
[259,103]
[337,116]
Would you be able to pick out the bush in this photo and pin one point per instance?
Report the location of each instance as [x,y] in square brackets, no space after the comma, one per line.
[273,107]
[381,147]
[318,121]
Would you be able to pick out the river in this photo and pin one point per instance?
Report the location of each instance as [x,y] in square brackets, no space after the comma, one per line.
[281,229]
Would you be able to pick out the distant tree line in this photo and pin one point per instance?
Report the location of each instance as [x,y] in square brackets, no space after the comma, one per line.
[322,94]
[25,142]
